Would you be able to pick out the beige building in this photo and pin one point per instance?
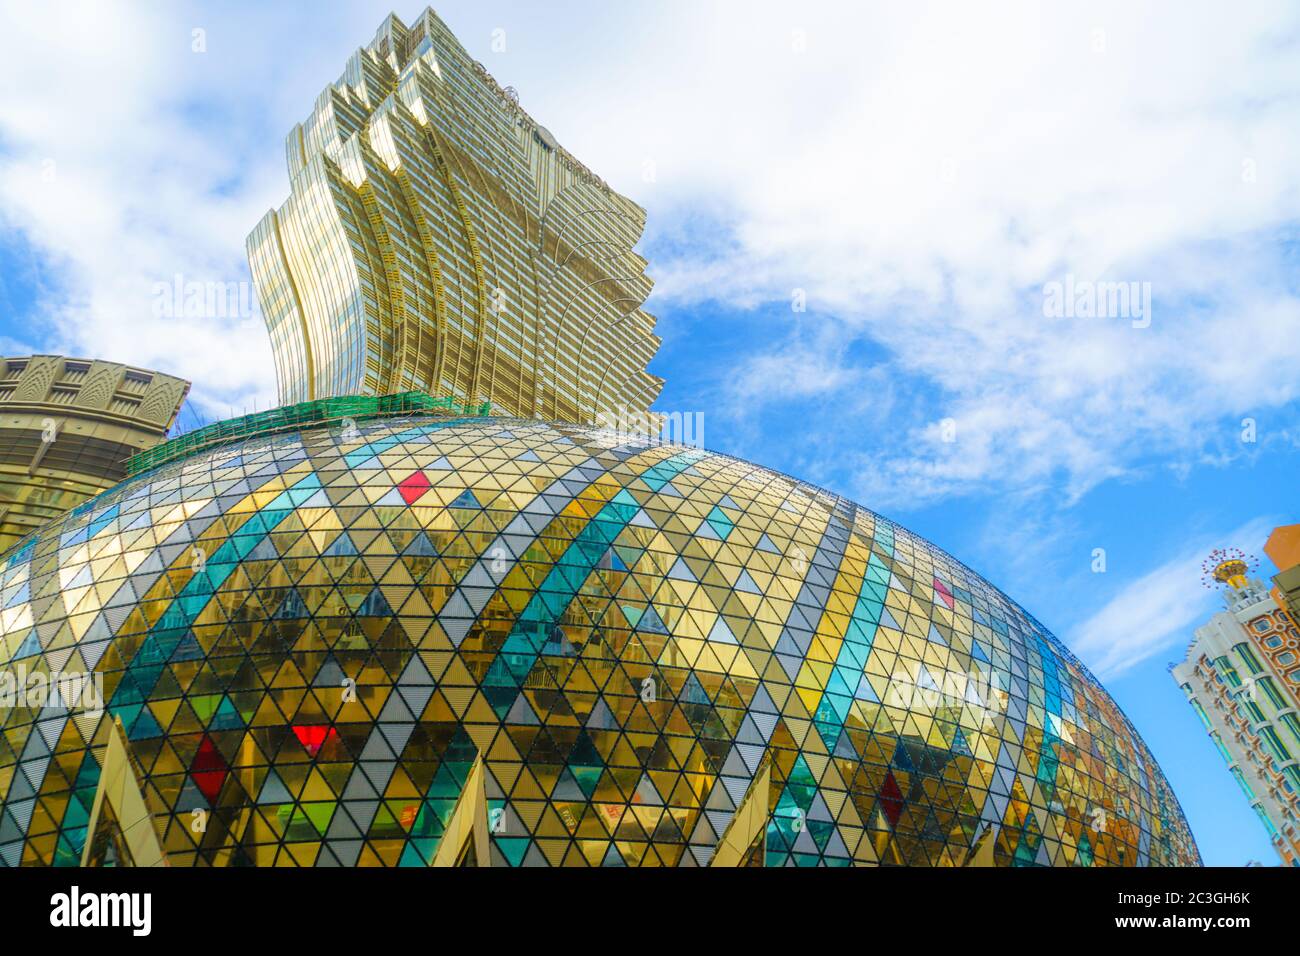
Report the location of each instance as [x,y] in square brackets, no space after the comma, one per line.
[67,427]
[1247,702]
[436,238]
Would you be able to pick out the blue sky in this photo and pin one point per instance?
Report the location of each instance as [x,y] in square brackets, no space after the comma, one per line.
[853,215]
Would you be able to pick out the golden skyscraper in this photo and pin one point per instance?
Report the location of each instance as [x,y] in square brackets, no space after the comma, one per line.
[436,238]
[67,427]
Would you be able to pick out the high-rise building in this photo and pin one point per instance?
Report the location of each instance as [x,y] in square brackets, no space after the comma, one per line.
[67,427]
[1233,680]
[436,238]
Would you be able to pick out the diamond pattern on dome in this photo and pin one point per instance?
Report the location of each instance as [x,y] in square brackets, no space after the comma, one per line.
[314,640]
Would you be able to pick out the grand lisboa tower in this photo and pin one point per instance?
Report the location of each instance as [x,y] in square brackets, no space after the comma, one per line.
[378,628]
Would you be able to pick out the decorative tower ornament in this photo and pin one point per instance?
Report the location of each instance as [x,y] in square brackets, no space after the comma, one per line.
[1228,566]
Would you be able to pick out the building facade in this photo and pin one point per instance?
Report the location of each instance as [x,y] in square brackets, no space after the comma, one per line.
[67,428]
[1236,680]
[398,637]
[437,238]
[1283,549]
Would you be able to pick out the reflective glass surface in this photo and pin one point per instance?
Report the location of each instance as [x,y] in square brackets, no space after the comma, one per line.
[311,638]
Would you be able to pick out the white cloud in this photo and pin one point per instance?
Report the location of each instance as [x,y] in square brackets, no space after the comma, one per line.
[1158,611]
[127,158]
[921,170]
[102,176]
[802,370]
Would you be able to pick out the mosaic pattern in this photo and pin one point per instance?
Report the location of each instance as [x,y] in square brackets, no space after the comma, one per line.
[310,638]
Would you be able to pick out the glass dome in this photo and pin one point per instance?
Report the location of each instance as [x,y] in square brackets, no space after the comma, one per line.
[351,644]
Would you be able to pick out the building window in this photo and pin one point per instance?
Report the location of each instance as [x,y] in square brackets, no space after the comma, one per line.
[1248,658]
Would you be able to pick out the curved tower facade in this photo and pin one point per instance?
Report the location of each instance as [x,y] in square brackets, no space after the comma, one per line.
[437,238]
[67,428]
